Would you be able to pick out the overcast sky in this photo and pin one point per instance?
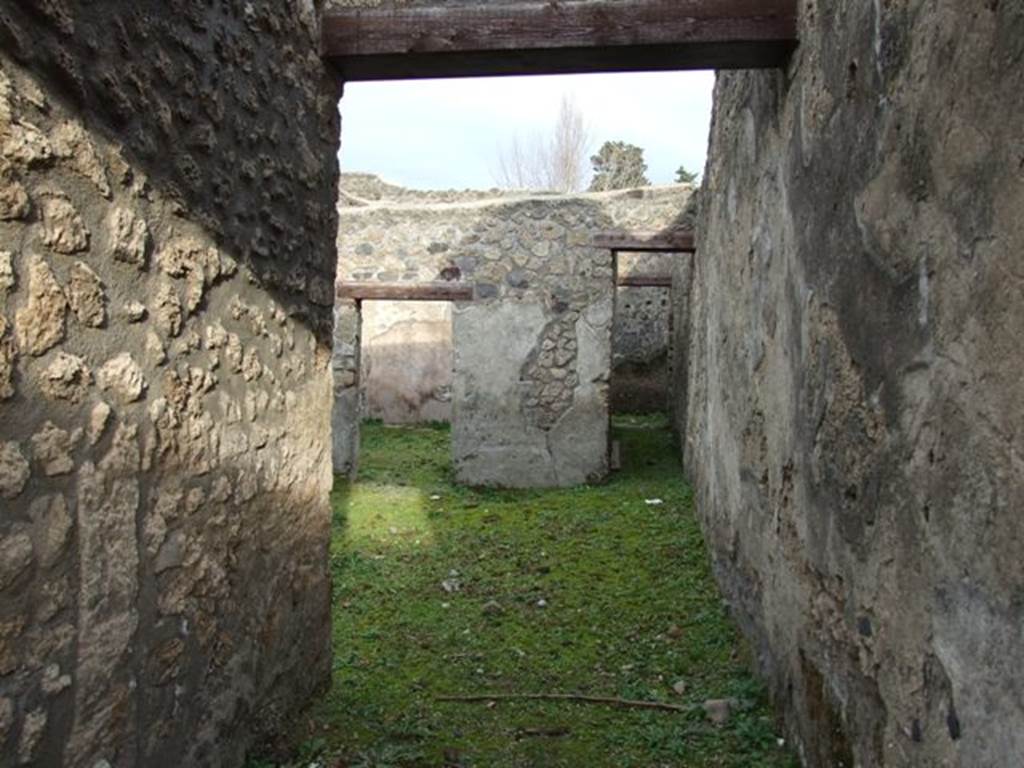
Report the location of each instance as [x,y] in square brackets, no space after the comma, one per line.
[441,134]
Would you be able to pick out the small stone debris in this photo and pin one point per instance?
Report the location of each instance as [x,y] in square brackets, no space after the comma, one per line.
[718,711]
[654,502]
[493,608]
[679,687]
[135,311]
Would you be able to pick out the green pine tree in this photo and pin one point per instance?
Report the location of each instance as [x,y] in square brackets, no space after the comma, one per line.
[684,176]
[619,165]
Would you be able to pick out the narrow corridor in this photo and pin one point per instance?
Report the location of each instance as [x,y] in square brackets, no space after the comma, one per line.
[441,590]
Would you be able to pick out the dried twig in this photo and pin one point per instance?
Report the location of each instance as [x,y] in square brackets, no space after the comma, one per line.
[610,700]
[554,732]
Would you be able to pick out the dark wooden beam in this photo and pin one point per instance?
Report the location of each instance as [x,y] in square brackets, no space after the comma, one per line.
[522,37]
[645,281]
[681,241]
[405,291]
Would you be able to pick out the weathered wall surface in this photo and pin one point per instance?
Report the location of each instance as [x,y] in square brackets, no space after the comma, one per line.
[346,364]
[854,423]
[167,194]
[681,347]
[407,361]
[532,352]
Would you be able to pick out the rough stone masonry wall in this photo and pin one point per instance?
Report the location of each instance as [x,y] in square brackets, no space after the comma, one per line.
[532,352]
[359,189]
[855,420]
[167,196]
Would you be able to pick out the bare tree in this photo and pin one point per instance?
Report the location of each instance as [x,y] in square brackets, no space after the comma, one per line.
[521,164]
[569,148]
[556,163]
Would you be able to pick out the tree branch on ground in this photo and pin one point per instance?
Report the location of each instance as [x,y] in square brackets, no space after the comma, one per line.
[609,700]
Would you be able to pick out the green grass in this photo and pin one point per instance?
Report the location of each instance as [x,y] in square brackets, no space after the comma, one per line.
[629,608]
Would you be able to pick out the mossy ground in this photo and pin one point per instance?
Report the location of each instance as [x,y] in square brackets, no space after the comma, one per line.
[441,589]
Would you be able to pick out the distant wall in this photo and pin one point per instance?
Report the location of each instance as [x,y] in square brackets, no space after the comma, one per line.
[532,353]
[167,194]
[359,189]
[853,412]
[407,361]
[641,343]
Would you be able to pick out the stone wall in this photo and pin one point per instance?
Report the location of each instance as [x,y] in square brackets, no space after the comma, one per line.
[360,189]
[407,361]
[167,196]
[532,352]
[854,416]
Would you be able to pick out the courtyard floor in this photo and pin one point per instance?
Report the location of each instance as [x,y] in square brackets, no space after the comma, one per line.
[604,591]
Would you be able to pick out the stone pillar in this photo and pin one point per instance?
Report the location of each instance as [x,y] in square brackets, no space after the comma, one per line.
[347,412]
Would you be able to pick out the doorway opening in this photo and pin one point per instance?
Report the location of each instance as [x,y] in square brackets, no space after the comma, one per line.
[455,590]
[445,587]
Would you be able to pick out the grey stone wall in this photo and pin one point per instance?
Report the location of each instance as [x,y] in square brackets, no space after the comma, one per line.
[680,344]
[854,416]
[167,194]
[532,352]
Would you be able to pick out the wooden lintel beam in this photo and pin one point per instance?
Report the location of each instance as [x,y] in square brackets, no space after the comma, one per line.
[682,241]
[522,37]
[405,291]
[645,281]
